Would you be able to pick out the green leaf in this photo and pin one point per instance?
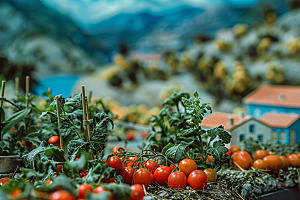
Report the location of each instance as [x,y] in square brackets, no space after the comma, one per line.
[34,155]
[78,164]
[2,115]
[15,119]
[61,181]
[218,150]
[55,153]
[49,95]
[120,191]
[101,196]
[219,131]
[75,102]
[74,146]
[52,114]
[98,172]
[3,194]
[196,94]
[174,153]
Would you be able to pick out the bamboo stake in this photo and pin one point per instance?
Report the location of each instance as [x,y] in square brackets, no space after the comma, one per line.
[2,92]
[17,84]
[49,90]
[89,126]
[58,125]
[27,91]
[90,96]
[84,113]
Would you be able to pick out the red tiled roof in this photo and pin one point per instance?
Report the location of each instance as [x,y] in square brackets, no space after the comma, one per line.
[279,120]
[216,119]
[284,96]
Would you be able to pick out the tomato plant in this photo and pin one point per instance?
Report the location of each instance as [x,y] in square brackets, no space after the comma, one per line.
[61,195]
[115,162]
[151,166]
[274,162]
[177,180]
[260,154]
[137,192]
[243,159]
[260,164]
[116,150]
[4,180]
[54,140]
[197,180]
[83,189]
[143,176]
[161,174]
[127,174]
[187,166]
[211,175]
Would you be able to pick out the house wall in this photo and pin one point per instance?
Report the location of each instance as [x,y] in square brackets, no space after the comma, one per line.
[259,129]
[296,126]
[257,111]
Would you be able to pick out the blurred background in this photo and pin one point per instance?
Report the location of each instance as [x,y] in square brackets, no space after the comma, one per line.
[135,53]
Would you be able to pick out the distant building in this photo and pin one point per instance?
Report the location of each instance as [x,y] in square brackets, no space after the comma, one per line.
[285,127]
[240,127]
[274,99]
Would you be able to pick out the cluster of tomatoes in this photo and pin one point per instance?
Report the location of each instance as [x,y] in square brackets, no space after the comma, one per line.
[188,172]
[263,159]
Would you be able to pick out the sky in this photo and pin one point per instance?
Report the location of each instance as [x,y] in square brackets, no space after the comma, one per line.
[87,12]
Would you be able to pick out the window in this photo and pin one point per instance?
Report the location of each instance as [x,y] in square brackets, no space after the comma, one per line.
[275,136]
[260,137]
[282,136]
[242,137]
[292,137]
[252,128]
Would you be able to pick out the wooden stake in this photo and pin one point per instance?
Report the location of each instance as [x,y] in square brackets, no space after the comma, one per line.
[58,116]
[84,113]
[49,90]
[27,91]
[2,92]
[89,126]
[90,96]
[17,86]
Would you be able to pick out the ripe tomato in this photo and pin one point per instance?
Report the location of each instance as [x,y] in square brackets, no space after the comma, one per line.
[59,168]
[127,174]
[130,135]
[48,181]
[197,180]
[260,154]
[116,150]
[285,161]
[177,180]
[143,176]
[83,189]
[137,192]
[111,180]
[211,175]
[233,149]
[294,160]
[274,162]
[54,140]
[4,180]
[23,143]
[15,193]
[187,166]
[144,135]
[115,162]
[243,159]
[151,166]
[210,159]
[61,195]
[173,166]
[260,164]
[161,174]
[101,189]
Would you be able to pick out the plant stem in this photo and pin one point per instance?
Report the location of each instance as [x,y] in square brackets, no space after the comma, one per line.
[3,99]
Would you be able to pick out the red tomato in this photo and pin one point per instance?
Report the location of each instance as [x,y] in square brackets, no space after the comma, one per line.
[115,162]
[285,161]
[260,154]
[4,180]
[151,166]
[260,164]
[130,161]
[144,135]
[274,162]
[161,174]
[23,143]
[127,174]
[143,176]
[101,189]
[173,166]
[48,181]
[137,192]
[61,195]
[54,140]
[211,175]
[59,168]
[177,180]
[187,166]
[83,189]
[111,180]
[243,159]
[116,150]
[233,149]
[210,159]
[294,160]
[197,180]
[15,193]
[130,135]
